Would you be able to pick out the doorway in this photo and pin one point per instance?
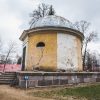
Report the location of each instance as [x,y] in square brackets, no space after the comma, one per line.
[23,60]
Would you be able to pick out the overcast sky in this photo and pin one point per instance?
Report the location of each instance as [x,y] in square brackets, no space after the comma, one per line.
[14,15]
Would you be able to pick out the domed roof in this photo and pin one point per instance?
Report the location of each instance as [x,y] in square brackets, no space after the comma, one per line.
[52,20]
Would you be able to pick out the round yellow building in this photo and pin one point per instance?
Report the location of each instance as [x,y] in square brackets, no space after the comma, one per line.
[52,44]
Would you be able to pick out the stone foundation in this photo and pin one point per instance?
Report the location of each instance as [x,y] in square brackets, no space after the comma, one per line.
[40,79]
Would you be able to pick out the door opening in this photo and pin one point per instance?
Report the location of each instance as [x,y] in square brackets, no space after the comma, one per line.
[23,60]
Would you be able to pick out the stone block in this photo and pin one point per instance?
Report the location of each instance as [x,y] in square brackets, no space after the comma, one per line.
[93,80]
[98,79]
[98,75]
[32,83]
[36,77]
[41,83]
[22,83]
[70,81]
[94,76]
[87,80]
[48,82]
[81,80]
[63,82]
[48,77]
[56,82]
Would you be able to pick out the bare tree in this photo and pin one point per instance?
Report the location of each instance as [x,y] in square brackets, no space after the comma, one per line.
[11,49]
[19,60]
[41,11]
[87,40]
[2,58]
[91,61]
[83,26]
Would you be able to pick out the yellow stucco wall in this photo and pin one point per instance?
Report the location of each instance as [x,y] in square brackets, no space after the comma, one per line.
[79,52]
[45,58]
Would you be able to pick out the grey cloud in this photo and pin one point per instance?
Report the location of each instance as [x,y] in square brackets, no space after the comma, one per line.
[73,10]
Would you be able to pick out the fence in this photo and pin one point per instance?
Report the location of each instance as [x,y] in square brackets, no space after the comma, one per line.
[10,67]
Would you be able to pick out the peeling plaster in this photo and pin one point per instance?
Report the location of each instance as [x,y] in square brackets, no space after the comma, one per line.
[66,52]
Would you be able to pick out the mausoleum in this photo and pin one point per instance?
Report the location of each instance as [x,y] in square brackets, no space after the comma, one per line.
[52,44]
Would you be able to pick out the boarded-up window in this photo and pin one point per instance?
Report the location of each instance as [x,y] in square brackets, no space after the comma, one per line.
[40,44]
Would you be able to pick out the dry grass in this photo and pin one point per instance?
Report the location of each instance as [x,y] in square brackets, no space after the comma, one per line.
[10,93]
[65,93]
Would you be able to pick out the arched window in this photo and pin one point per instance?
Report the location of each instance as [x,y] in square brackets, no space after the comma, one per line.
[40,44]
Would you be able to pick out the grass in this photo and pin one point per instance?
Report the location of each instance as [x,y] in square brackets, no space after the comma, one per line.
[12,93]
[89,92]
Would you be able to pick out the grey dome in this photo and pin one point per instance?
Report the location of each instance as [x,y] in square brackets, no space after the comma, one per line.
[54,21]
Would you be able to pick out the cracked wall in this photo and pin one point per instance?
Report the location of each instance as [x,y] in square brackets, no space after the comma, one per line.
[68,52]
[61,51]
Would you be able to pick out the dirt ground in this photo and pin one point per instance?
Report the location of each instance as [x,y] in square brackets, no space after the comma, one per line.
[11,93]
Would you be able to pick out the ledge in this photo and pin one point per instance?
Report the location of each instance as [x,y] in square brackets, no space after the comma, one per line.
[31,73]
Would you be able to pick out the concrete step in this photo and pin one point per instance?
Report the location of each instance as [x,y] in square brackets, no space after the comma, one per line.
[7,77]
[6,82]
[8,73]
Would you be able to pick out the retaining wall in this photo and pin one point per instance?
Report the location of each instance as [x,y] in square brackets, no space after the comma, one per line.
[40,79]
